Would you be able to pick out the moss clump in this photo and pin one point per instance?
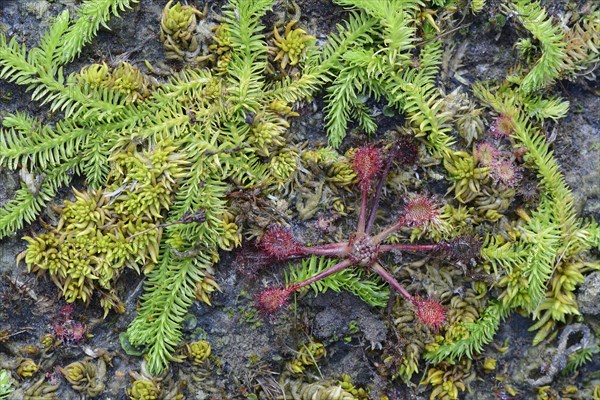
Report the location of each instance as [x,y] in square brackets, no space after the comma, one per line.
[104,231]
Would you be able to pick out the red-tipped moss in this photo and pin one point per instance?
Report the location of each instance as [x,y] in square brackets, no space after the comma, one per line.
[406,152]
[419,210]
[486,153]
[430,312]
[279,242]
[504,172]
[502,127]
[272,300]
[367,163]
[250,260]
[462,249]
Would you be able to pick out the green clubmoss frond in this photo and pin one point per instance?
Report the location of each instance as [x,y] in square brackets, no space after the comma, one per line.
[40,69]
[29,201]
[26,142]
[15,65]
[369,290]
[321,67]
[356,81]
[416,94]
[169,293]
[249,51]
[508,101]
[340,99]
[502,255]
[91,15]
[397,20]
[579,358]
[356,31]
[547,68]
[95,162]
[541,108]
[479,334]
[21,67]
[48,52]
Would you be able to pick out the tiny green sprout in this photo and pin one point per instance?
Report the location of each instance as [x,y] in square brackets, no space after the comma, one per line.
[353,327]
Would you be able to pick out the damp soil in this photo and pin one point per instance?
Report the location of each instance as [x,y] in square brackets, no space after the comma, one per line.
[245,345]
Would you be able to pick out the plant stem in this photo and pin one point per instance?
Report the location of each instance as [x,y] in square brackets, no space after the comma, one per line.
[392,281]
[362,215]
[381,236]
[408,247]
[377,194]
[332,250]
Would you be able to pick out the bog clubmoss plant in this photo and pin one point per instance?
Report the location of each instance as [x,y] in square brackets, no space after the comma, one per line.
[160,161]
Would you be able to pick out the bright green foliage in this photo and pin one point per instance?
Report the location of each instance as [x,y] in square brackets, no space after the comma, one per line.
[383,67]
[320,66]
[5,384]
[29,201]
[41,68]
[90,16]
[480,333]
[369,290]
[579,358]
[551,38]
[104,231]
